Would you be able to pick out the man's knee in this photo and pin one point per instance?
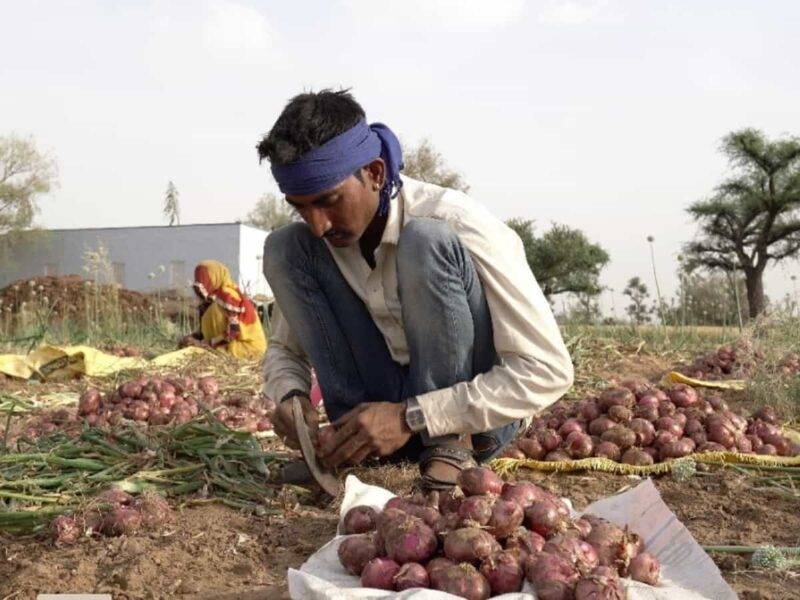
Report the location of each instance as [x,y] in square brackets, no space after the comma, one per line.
[286,246]
[423,242]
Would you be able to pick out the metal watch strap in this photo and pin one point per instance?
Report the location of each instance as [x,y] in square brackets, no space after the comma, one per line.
[415,418]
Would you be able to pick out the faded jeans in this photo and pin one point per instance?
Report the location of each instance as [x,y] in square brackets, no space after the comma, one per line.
[445,318]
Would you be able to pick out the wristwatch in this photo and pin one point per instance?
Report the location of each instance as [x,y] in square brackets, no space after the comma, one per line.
[415,418]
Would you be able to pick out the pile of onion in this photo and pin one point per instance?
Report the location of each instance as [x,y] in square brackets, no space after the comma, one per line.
[112,513]
[640,424]
[486,538]
[163,400]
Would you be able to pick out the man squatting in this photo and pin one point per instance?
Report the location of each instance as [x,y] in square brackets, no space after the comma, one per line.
[430,337]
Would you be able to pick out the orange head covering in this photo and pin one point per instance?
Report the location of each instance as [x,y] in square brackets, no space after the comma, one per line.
[213,282]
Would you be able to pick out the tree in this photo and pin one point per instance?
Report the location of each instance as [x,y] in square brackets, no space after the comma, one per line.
[270,212]
[25,175]
[563,259]
[425,163]
[637,291]
[172,211]
[752,218]
[585,309]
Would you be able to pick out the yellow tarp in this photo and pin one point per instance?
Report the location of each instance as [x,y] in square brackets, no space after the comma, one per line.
[730,384]
[54,362]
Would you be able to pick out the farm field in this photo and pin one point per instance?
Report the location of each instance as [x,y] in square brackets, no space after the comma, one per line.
[210,549]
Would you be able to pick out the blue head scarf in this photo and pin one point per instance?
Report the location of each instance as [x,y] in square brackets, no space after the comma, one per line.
[328,165]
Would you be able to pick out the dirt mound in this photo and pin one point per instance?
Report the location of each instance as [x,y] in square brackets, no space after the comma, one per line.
[68,294]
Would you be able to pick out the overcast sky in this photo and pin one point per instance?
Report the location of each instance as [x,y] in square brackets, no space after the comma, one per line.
[605,115]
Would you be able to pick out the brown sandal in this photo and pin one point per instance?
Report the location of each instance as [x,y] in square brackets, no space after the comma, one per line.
[452,454]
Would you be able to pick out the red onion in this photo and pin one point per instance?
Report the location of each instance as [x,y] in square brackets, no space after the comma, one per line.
[602,584]
[65,530]
[579,553]
[645,567]
[504,573]
[478,481]
[549,439]
[600,425]
[450,500]
[669,424]
[677,449]
[648,413]
[464,581]
[652,451]
[616,397]
[743,444]
[379,573]
[711,447]
[693,426]
[571,425]
[767,450]
[582,526]
[409,540]
[579,445]
[123,520]
[636,456]
[649,400]
[89,402]
[680,418]
[531,448]
[523,493]
[717,403]
[755,442]
[553,576]
[699,438]
[115,496]
[620,414]
[545,518]
[739,423]
[356,551]
[529,542]
[588,410]
[644,430]
[446,524]
[607,450]
[411,575]
[208,386]
[766,414]
[505,518]
[666,408]
[154,509]
[683,395]
[557,456]
[469,544]
[435,567]
[620,435]
[721,433]
[359,519]
[475,510]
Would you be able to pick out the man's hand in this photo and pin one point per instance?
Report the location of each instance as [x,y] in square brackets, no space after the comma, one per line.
[375,428]
[283,421]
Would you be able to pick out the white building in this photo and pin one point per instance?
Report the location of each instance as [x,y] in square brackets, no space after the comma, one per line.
[144,258]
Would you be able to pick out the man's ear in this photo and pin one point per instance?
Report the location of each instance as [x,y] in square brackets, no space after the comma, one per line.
[376,173]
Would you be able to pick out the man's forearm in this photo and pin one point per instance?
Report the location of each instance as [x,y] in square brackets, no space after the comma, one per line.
[516,389]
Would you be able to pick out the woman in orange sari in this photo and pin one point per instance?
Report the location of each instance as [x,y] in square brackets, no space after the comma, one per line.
[228,319]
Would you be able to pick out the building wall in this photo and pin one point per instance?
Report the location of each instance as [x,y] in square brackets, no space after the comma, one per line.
[135,251]
[251,250]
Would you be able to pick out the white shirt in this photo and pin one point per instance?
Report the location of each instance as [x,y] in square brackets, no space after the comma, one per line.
[534,367]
